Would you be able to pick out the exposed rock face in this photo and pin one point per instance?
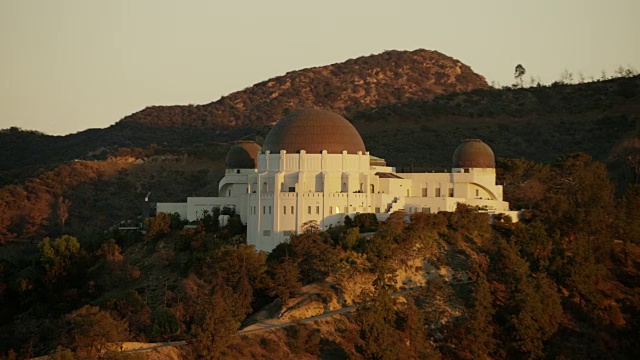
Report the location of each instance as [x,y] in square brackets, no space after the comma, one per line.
[365,82]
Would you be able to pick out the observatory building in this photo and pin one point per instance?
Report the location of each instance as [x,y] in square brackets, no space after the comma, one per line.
[313,165]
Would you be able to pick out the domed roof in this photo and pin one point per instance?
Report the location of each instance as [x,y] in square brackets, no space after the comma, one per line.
[473,153]
[313,130]
[243,155]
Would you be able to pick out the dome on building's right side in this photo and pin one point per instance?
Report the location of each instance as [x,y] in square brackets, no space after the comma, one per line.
[473,153]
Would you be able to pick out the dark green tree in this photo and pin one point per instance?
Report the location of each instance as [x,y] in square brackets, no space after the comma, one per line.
[377,336]
[314,253]
[413,330]
[285,279]
[519,74]
[479,332]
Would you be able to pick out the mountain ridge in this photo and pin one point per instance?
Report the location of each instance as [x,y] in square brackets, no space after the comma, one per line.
[382,79]
[356,84]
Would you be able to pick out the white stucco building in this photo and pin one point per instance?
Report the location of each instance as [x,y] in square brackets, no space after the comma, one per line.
[313,165]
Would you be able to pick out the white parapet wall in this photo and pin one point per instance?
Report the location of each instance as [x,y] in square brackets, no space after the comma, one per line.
[172,208]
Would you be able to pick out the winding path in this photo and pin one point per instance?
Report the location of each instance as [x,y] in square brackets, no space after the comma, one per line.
[265,326]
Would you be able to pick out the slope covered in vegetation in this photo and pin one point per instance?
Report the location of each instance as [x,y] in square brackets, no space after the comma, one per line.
[563,282]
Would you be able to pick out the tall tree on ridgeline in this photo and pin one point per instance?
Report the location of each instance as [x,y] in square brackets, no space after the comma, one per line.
[519,74]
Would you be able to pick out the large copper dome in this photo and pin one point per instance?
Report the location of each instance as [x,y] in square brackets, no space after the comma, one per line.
[313,130]
[473,153]
[243,155]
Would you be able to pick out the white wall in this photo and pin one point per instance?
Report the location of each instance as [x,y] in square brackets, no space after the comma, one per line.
[325,187]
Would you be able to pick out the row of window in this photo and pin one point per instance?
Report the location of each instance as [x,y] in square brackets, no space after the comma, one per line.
[413,210]
[266,210]
[438,192]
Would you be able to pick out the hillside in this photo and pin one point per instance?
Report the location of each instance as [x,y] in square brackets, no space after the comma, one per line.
[498,291]
[354,85]
[357,84]
[537,123]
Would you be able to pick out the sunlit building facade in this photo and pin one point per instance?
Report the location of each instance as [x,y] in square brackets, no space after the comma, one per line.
[313,166]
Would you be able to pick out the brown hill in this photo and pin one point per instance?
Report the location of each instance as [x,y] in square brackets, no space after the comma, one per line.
[357,84]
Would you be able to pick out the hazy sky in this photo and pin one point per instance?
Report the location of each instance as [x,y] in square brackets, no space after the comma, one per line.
[69,65]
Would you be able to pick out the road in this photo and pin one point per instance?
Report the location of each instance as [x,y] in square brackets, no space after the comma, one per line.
[260,327]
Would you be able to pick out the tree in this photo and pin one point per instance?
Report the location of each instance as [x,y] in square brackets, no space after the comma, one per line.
[566,77]
[303,339]
[531,311]
[62,210]
[349,239]
[366,222]
[628,152]
[375,319]
[586,271]
[215,316]
[588,194]
[519,74]
[413,329]
[158,226]
[630,226]
[132,307]
[479,326]
[59,257]
[285,279]
[6,219]
[314,253]
[537,313]
[92,328]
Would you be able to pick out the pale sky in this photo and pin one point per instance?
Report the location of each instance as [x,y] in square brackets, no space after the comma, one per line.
[69,65]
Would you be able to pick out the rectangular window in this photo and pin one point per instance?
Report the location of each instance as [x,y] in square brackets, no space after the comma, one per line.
[425,192]
[317,210]
[450,192]
[477,192]
[377,210]
[266,233]
[330,210]
[269,209]
[309,210]
[292,189]
[437,192]
[284,210]
[264,210]
[292,212]
[466,171]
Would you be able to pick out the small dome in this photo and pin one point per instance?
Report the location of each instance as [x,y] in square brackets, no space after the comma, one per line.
[314,130]
[243,155]
[473,153]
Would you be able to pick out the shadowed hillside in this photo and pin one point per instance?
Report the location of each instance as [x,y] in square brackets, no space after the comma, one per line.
[539,123]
